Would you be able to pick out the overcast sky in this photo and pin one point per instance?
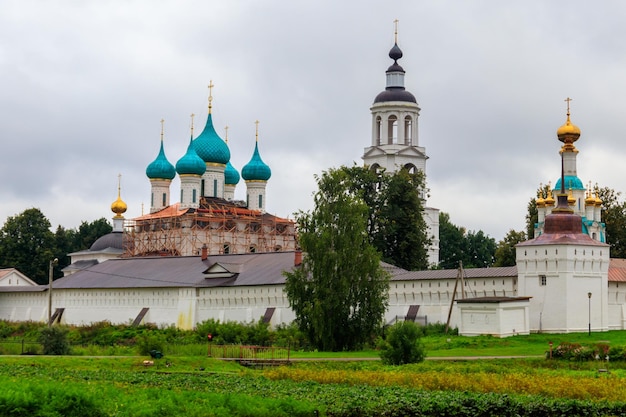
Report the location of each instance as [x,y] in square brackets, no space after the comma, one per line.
[84,85]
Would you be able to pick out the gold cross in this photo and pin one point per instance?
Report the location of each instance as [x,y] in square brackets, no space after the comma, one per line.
[256,122]
[162,128]
[568,101]
[192,116]
[211,85]
[226,130]
[119,184]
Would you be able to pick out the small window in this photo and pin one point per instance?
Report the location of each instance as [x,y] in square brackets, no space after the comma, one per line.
[543,281]
[226,248]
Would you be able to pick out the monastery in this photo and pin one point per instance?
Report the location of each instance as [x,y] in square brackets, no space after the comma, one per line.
[210,257]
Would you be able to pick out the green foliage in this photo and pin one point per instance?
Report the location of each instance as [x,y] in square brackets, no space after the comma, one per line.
[339,293]
[151,342]
[402,345]
[26,243]
[395,221]
[473,249]
[614,217]
[505,252]
[54,340]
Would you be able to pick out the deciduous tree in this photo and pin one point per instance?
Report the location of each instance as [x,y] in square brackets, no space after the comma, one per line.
[339,293]
[27,243]
[505,252]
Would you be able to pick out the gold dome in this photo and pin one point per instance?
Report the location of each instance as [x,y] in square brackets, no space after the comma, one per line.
[590,201]
[549,200]
[541,202]
[118,207]
[598,201]
[569,132]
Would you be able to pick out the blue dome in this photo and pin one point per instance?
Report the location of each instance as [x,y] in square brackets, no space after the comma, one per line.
[190,163]
[256,169]
[210,147]
[161,168]
[571,181]
[231,176]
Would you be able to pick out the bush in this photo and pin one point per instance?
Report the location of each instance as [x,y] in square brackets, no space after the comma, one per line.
[148,342]
[54,340]
[403,345]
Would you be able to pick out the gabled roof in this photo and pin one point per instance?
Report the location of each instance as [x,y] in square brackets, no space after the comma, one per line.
[7,272]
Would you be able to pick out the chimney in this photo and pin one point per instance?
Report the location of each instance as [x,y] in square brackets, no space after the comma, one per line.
[298,258]
[205,253]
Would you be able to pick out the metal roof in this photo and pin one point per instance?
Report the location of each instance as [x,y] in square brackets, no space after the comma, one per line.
[183,271]
[434,274]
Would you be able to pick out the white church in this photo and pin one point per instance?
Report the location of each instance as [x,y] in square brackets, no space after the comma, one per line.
[210,257]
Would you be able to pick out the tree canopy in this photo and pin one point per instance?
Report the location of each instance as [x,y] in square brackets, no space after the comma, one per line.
[474,249]
[28,244]
[505,251]
[339,293]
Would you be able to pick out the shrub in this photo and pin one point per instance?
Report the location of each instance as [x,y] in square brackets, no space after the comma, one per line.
[150,341]
[54,340]
[403,345]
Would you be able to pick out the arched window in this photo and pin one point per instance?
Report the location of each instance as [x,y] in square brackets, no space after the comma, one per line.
[408,131]
[392,130]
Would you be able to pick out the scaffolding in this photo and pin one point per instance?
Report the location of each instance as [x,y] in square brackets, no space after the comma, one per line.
[223,226]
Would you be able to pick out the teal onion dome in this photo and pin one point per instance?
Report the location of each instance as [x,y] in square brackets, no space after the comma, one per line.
[231,176]
[161,168]
[256,169]
[210,147]
[571,182]
[190,163]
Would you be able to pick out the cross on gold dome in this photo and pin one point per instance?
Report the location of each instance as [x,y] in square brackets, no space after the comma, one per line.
[568,100]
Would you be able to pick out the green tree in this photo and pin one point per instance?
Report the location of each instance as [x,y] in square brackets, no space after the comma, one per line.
[89,232]
[474,249]
[451,243]
[532,216]
[614,218]
[401,233]
[403,345]
[505,252]
[339,293]
[481,249]
[27,243]
[395,221]
[65,243]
